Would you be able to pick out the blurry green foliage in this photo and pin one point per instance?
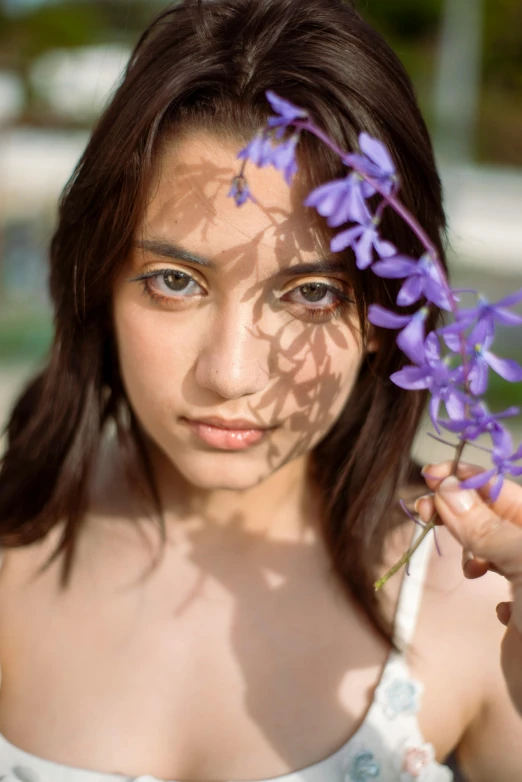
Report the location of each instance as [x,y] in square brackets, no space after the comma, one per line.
[502,68]
[411,26]
[25,334]
[62,25]
[402,19]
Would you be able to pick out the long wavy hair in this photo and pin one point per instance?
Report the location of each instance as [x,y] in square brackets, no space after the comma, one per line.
[206,65]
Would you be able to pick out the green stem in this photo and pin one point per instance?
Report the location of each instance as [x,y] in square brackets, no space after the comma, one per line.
[429,526]
[407,555]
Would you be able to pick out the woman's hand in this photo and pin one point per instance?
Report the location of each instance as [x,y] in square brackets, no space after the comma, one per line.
[491,537]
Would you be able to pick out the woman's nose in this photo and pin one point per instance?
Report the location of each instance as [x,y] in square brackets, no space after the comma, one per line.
[234,359]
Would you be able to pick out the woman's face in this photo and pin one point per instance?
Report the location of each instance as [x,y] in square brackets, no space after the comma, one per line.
[239,349]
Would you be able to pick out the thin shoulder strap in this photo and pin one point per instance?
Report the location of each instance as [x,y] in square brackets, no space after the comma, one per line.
[411,590]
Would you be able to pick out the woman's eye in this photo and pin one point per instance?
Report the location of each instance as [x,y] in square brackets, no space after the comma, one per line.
[170,284]
[318,301]
[319,293]
[314,292]
[175,281]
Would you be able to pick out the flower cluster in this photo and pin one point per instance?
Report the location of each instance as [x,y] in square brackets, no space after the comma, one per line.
[452,362]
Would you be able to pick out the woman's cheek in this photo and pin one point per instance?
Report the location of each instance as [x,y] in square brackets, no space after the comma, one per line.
[153,354]
[320,388]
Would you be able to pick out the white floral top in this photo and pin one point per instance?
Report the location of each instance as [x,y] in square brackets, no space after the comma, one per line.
[387,747]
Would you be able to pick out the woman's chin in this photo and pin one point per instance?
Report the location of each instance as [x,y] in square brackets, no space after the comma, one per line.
[213,476]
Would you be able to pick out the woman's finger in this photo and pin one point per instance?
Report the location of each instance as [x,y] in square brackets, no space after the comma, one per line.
[504,613]
[508,506]
[479,527]
[472,567]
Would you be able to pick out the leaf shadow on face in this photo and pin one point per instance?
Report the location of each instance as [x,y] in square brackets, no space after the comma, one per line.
[290,352]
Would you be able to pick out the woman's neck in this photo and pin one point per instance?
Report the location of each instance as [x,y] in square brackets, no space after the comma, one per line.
[285,506]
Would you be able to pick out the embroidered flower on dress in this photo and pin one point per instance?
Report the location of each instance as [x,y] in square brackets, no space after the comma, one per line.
[359,763]
[362,767]
[415,761]
[21,774]
[399,695]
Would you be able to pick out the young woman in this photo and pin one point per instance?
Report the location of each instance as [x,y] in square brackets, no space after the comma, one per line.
[200,487]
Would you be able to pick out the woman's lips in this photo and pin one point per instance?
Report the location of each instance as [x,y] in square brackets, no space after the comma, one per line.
[225,437]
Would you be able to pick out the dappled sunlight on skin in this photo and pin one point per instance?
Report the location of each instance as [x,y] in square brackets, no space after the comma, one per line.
[235,633]
[239,348]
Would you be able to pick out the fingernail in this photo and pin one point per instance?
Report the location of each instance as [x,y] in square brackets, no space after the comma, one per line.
[418,501]
[425,469]
[459,500]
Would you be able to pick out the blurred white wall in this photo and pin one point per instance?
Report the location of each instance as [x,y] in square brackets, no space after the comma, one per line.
[78,82]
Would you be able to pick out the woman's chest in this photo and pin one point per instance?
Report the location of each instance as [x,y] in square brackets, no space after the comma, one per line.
[205,684]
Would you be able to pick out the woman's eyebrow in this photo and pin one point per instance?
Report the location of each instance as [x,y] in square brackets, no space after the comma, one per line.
[174,251]
[177,252]
[315,267]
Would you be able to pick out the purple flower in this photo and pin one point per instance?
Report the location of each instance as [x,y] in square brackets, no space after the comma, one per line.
[283,157]
[480,421]
[478,343]
[287,111]
[340,201]
[411,338]
[435,374]
[504,459]
[423,279]
[488,313]
[240,191]
[375,162]
[259,151]
[264,152]
[363,239]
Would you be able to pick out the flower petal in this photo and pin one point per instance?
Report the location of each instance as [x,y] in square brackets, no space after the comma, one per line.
[434,411]
[394,268]
[364,248]
[432,347]
[437,294]
[287,110]
[386,319]
[352,206]
[496,488]
[502,441]
[504,447]
[411,338]
[476,481]
[327,198]
[506,317]
[411,291]
[384,249]
[508,301]
[482,334]
[377,152]
[455,407]
[346,239]
[412,378]
[505,367]
[451,338]
[508,413]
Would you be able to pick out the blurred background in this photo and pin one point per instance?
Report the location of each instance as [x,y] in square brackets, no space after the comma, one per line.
[60,61]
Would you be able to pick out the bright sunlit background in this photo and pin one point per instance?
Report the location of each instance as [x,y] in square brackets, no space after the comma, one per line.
[59,61]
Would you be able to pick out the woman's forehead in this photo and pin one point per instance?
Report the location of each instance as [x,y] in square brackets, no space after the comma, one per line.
[190,204]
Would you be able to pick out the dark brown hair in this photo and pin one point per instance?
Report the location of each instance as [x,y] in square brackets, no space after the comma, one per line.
[208,65]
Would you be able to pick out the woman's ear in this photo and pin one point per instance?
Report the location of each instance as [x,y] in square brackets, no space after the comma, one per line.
[372,345]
